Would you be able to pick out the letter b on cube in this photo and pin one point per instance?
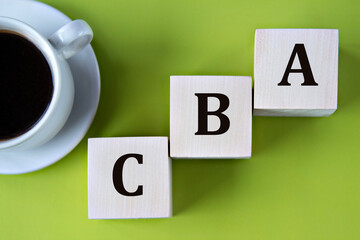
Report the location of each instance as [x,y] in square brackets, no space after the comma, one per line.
[210,116]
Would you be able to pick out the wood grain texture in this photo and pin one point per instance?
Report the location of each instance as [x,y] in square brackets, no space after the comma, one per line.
[273,48]
[154,174]
[235,143]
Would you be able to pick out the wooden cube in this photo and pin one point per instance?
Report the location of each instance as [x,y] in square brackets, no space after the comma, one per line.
[210,116]
[129,178]
[296,72]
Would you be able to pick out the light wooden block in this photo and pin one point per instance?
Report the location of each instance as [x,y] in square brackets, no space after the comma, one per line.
[148,180]
[273,51]
[184,117]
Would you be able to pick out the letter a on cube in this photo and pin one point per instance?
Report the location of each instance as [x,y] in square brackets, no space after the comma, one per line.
[296,72]
[210,116]
[129,178]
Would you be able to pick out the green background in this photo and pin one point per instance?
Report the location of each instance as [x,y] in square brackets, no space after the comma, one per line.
[303,180]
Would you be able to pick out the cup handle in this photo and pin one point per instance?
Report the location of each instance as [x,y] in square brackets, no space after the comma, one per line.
[71,38]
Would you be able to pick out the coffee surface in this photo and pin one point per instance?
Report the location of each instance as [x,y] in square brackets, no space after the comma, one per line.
[26,86]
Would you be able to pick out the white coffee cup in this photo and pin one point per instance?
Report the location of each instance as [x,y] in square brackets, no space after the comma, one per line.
[63,44]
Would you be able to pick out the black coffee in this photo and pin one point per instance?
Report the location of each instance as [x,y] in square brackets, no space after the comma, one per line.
[26,86]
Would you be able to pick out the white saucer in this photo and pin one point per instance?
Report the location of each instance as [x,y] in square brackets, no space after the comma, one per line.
[85,71]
